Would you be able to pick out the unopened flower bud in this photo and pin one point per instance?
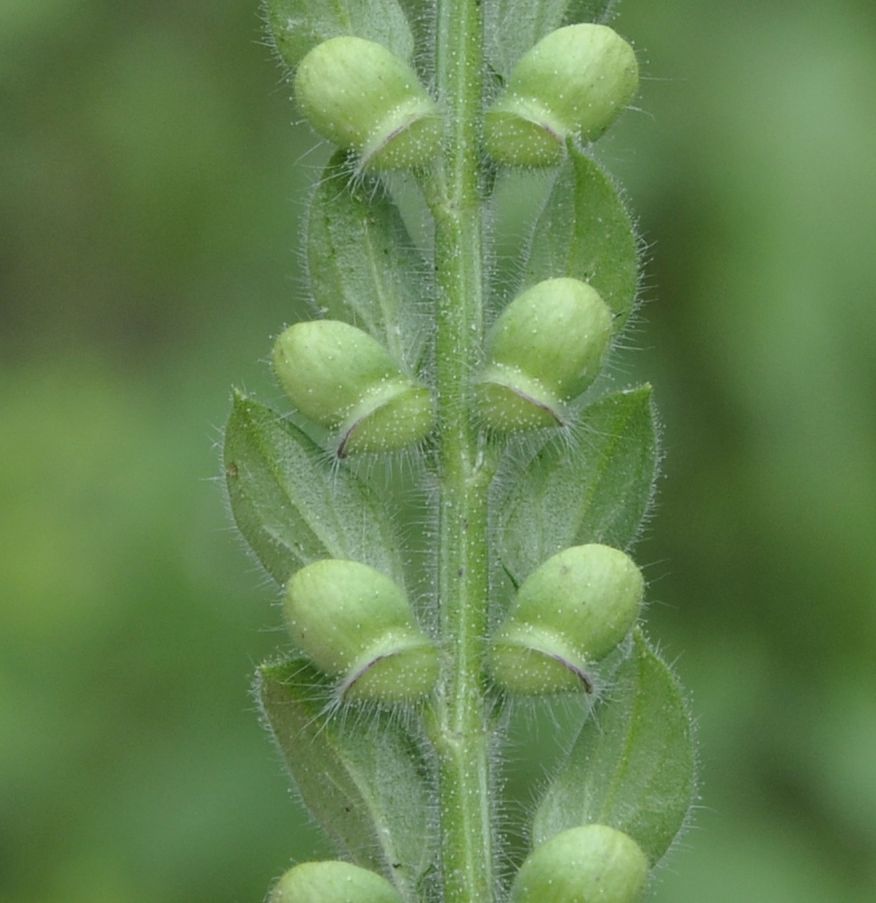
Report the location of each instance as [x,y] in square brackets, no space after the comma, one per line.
[356,625]
[570,612]
[545,349]
[589,864]
[333,882]
[572,84]
[343,379]
[360,95]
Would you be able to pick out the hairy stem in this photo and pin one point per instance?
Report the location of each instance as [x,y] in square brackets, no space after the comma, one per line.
[459,724]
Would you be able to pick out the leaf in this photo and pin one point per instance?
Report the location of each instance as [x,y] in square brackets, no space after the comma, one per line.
[421,15]
[598,491]
[585,231]
[513,26]
[632,766]
[590,10]
[296,26]
[291,506]
[362,264]
[364,780]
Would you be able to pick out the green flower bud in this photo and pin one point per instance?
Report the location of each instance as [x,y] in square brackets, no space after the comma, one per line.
[345,380]
[572,84]
[355,624]
[360,95]
[545,349]
[590,864]
[571,611]
[333,882]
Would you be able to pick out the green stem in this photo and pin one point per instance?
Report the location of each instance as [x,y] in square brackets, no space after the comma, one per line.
[459,724]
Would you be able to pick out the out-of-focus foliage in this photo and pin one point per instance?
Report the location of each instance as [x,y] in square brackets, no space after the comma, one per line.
[150,187]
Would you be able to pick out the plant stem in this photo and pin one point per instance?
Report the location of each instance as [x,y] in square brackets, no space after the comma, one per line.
[459,723]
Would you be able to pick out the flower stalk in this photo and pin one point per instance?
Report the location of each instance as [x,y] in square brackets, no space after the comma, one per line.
[460,725]
[534,471]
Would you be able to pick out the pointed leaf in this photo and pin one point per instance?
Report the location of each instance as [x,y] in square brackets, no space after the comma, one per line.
[362,264]
[364,780]
[598,491]
[585,231]
[291,506]
[632,766]
[296,26]
[513,26]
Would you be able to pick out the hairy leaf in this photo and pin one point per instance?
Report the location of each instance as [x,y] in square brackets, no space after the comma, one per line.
[364,780]
[590,10]
[597,491]
[585,231]
[513,26]
[362,264]
[421,15]
[289,504]
[296,26]
[632,766]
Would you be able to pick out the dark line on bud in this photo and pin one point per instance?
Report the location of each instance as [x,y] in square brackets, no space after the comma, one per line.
[580,673]
[348,684]
[345,440]
[535,403]
[515,583]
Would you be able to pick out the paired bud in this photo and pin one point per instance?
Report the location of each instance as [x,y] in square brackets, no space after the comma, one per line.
[570,612]
[545,349]
[589,864]
[333,882]
[343,379]
[356,625]
[362,96]
[572,84]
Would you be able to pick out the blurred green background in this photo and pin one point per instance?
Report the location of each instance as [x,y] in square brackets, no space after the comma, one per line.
[150,190]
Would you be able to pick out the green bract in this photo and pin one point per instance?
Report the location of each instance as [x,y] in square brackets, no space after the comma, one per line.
[572,84]
[597,491]
[297,26]
[301,511]
[355,624]
[569,613]
[584,230]
[362,265]
[632,764]
[360,95]
[590,864]
[544,350]
[333,882]
[343,379]
[513,26]
[360,778]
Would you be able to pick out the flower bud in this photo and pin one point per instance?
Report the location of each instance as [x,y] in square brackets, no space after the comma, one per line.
[356,625]
[571,611]
[545,349]
[589,864]
[345,380]
[360,95]
[333,882]
[572,84]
